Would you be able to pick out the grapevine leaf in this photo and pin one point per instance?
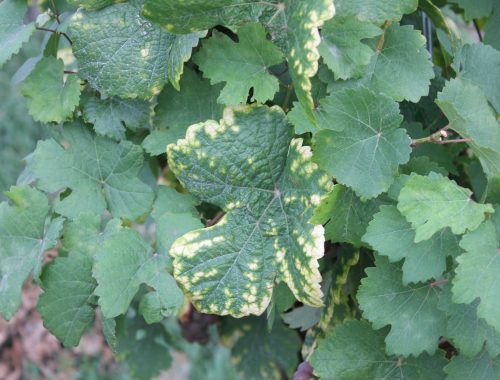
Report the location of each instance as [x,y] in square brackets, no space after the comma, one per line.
[186,16]
[391,235]
[467,331]
[400,68]
[13,31]
[83,234]
[25,234]
[470,115]
[341,46]
[66,304]
[354,351]
[90,4]
[143,347]
[477,273]
[267,184]
[479,367]
[411,310]
[276,350]
[123,262]
[110,116]
[302,20]
[367,147]
[51,98]
[475,9]
[303,317]
[431,203]
[480,65]
[177,110]
[345,215]
[492,28]
[174,214]
[241,65]
[376,11]
[121,54]
[97,170]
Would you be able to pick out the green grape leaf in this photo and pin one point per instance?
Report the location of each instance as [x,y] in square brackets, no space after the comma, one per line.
[66,304]
[467,331]
[477,273]
[122,54]
[302,317]
[177,110]
[411,310]
[475,9]
[249,166]
[301,20]
[110,116]
[341,47]
[431,203]
[345,216]
[184,16]
[144,348]
[123,262]
[51,98]
[25,234]
[480,65]
[90,4]
[277,350]
[479,367]
[467,109]
[492,28]
[83,234]
[366,146]
[13,31]
[98,171]
[241,65]
[353,351]
[391,235]
[376,11]
[400,68]
[174,214]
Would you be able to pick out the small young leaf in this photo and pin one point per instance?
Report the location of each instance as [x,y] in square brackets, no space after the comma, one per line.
[434,202]
[50,97]
[241,65]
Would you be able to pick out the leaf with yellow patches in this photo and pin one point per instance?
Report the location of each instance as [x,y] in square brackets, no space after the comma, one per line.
[267,184]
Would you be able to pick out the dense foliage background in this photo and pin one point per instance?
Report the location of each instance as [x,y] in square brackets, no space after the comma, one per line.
[257,189]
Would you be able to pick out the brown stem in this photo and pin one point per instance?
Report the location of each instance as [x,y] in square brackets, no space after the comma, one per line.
[215,219]
[438,282]
[70,72]
[381,40]
[453,141]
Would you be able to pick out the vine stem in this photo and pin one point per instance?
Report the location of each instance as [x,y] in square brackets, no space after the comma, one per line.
[438,282]
[56,12]
[70,72]
[478,31]
[55,31]
[381,40]
[437,138]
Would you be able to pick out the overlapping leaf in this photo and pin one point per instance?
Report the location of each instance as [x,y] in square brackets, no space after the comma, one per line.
[100,173]
[25,234]
[122,54]
[365,146]
[431,203]
[110,116]
[391,235]
[354,351]
[477,273]
[479,367]
[376,11]
[13,31]
[411,310]
[177,110]
[267,184]
[50,97]
[241,65]
[123,262]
